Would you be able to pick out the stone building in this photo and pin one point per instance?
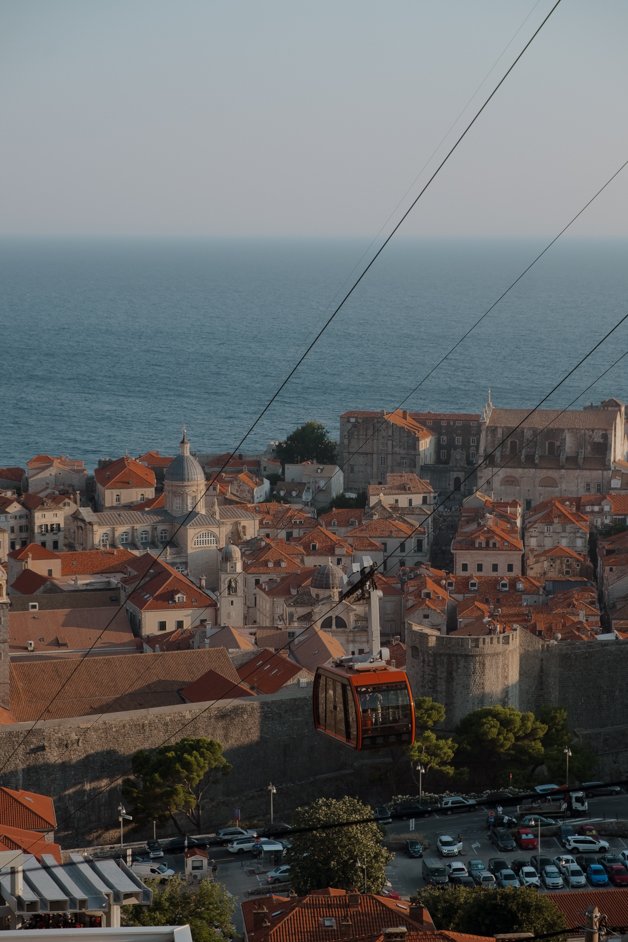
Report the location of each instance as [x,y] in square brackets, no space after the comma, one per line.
[374,444]
[455,449]
[554,523]
[550,453]
[55,473]
[122,482]
[231,587]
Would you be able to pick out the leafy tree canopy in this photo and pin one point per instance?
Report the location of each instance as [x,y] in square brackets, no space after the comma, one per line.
[309,442]
[345,857]
[494,741]
[559,737]
[206,907]
[487,912]
[434,753]
[173,779]
[428,713]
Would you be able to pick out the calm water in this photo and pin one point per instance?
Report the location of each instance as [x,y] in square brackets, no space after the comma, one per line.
[108,346]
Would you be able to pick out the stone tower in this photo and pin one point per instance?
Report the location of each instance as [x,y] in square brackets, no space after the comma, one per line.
[231,587]
[184,482]
[5,694]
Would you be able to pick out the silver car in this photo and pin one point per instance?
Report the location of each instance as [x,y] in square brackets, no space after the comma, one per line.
[529,877]
[551,878]
[574,877]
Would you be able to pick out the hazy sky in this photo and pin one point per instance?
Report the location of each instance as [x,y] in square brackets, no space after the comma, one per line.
[282,117]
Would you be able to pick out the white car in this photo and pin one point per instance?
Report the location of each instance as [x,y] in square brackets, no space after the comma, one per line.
[448,846]
[266,846]
[624,856]
[586,844]
[456,803]
[507,879]
[457,869]
[546,789]
[226,835]
[529,877]
[564,861]
[242,844]
[484,879]
[551,878]
[149,870]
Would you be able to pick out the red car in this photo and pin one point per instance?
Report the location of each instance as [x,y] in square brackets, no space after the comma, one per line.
[526,839]
[617,874]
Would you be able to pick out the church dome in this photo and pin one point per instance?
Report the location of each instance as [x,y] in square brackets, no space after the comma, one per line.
[328,577]
[185,469]
[231,554]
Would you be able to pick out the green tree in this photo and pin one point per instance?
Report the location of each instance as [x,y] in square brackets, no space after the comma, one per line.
[434,753]
[309,442]
[487,912]
[559,736]
[344,857]
[495,741]
[207,908]
[174,779]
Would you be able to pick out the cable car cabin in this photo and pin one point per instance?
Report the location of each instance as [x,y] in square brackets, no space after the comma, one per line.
[364,705]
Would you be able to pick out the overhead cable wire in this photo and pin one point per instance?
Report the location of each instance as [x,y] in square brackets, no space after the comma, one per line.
[302,357]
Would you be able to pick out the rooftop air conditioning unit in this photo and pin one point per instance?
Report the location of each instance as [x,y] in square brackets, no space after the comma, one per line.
[30,645]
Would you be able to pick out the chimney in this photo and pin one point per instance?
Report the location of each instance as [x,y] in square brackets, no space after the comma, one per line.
[419,913]
[395,934]
[260,918]
[202,582]
[16,881]
[353,900]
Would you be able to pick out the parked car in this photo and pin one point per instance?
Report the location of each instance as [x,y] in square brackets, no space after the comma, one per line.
[546,789]
[502,839]
[448,846]
[176,845]
[526,839]
[461,879]
[533,821]
[266,846]
[414,849]
[412,809]
[551,878]
[565,860]
[617,874]
[242,845]
[593,789]
[279,874]
[586,844]
[574,877]
[155,850]
[518,863]
[623,855]
[597,875]
[456,869]
[456,803]
[495,864]
[529,877]
[538,862]
[382,814]
[226,835]
[149,870]
[494,820]
[486,880]
[508,880]
[475,865]
[607,859]
[434,872]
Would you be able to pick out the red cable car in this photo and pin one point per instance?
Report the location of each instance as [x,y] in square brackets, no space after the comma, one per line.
[366,705]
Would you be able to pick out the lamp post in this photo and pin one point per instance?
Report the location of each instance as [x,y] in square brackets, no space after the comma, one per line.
[272,791]
[568,754]
[421,770]
[122,817]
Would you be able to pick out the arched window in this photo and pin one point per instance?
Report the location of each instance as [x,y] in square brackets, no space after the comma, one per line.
[510,482]
[548,482]
[207,538]
[339,622]
[104,540]
[163,536]
[326,623]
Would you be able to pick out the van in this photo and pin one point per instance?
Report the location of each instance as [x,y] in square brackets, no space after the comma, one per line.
[150,870]
[434,872]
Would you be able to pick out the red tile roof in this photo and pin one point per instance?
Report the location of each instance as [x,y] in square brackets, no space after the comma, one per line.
[612,902]
[267,672]
[94,562]
[213,686]
[12,474]
[28,582]
[28,841]
[152,459]
[27,810]
[70,629]
[35,551]
[124,472]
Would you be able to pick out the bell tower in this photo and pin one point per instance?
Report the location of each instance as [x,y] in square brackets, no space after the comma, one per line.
[231,587]
[5,667]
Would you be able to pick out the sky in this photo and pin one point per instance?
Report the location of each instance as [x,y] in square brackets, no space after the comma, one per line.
[283,118]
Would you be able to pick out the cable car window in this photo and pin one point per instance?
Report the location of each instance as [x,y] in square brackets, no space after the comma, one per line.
[336,710]
[385,710]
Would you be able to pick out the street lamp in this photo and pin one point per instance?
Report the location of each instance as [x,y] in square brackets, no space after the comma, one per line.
[421,770]
[122,817]
[568,753]
[272,791]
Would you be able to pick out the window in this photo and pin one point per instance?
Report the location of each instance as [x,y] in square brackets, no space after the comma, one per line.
[443,455]
[162,626]
[117,498]
[55,544]
[207,538]
[465,567]
[144,537]
[598,488]
[443,439]
[418,545]
[551,448]
[458,440]
[104,540]
[472,455]
[510,567]
[479,567]
[409,502]
[473,440]
[587,487]
[402,547]
[142,497]
[180,622]
[494,567]
[382,461]
[163,536]
[124,537]
[513,446]
[424,499]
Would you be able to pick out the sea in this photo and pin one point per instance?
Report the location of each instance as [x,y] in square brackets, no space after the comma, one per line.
[111,346]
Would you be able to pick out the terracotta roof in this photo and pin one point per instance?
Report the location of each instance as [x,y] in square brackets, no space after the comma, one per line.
[555,511]
[342,517]
[492,532]
[28,841]
[28,582]
[124,472]
[286,586]
[169,591]
[12,474]
[43,461]
[35,551]
[541,418]
[326,542]
[447,416]
[66,629]
[313,647]
[110,684]
[403,483]
[267,672]
[152,459]
[325,916]
[618,502]
[613,902]
[214,686]
[562,551]
[389,528]
[153,503]
[94,562]
[229,638]
[269,556]
[27,810]
[9,502]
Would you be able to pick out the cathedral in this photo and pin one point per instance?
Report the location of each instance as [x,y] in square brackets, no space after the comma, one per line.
[187,523]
